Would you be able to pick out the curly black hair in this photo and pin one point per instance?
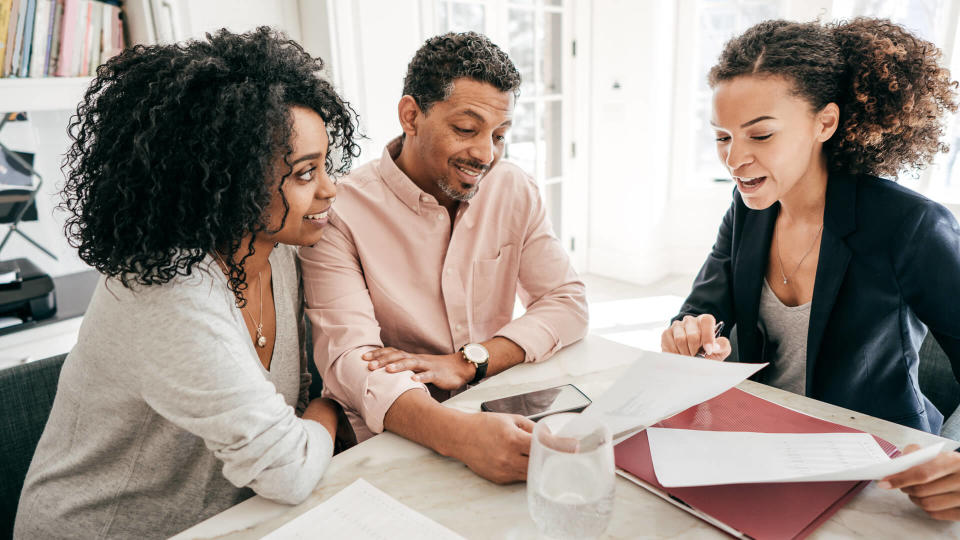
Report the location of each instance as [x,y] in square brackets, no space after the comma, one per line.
[175,151]
[890,89]
[450,56]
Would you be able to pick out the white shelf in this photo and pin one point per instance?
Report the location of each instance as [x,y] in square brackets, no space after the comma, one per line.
[42,94]
[39,342]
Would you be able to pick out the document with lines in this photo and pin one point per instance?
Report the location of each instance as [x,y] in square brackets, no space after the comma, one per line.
[685,458]
[362,511]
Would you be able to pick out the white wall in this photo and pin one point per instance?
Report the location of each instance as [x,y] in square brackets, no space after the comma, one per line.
[372,43]
[242,15]
[314,31]
[629,137]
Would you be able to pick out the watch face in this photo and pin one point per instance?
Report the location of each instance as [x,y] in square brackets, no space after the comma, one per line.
[476,353]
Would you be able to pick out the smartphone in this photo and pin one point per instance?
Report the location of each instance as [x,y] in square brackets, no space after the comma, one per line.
[536,405]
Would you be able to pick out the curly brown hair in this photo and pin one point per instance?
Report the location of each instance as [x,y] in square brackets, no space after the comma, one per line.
[444,58]
[890,89]
[174,152]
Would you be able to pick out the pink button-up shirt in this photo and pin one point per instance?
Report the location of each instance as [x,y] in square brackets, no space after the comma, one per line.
[388,272]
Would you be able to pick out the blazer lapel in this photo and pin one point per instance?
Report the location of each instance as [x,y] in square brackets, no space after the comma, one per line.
[839,220]
[749,268]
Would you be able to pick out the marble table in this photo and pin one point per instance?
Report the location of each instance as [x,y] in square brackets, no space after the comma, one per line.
[449,493]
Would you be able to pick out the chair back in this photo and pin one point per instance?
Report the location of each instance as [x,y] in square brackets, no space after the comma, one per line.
[26,397]
[936,377]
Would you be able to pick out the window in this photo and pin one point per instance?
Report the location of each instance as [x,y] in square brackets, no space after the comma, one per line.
[716,22]
[533,33]
[935,21]
[455,16]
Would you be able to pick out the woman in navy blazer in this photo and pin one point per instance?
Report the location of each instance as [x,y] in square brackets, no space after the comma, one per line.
[850,269]
[889,268]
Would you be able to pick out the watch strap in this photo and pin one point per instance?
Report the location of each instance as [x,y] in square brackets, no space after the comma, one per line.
[481,372]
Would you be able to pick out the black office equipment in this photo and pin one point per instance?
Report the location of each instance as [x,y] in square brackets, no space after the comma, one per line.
[25,291]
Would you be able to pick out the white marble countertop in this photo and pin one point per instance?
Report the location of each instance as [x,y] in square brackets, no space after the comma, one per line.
[449,493]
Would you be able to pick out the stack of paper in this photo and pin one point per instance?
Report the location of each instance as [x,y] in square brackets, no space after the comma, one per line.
[659,385]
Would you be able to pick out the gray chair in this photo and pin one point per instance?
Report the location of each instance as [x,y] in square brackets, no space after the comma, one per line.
[939,384]
[26,397]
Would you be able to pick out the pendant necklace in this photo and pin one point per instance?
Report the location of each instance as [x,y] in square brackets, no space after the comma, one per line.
[261,341]
[786,277]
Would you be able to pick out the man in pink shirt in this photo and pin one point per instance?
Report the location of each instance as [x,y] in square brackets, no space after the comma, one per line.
[414,283]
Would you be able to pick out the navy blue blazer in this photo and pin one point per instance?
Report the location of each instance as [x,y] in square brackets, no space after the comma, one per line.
[889,268]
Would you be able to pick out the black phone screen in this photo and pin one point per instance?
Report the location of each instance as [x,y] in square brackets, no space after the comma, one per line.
[540,403]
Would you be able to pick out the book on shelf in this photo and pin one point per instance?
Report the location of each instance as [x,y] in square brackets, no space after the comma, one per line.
[5,7]
[61,38]
[41,25]
[23,66]
[15,37]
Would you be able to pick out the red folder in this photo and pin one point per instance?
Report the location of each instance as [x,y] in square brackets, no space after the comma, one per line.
[761,511]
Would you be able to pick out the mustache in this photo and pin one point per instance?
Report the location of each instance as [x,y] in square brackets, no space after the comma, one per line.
[475,165]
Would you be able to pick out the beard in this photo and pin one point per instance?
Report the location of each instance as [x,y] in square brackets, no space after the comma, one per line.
[445,186]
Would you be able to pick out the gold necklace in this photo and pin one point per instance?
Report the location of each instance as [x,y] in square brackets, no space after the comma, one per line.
[261,341]
[784,276]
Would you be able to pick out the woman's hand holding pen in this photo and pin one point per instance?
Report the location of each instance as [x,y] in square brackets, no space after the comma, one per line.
[696,336]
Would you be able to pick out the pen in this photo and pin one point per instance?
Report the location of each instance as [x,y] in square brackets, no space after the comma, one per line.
[716,333]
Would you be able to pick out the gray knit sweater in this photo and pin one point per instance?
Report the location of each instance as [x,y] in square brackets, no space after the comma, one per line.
[164,415]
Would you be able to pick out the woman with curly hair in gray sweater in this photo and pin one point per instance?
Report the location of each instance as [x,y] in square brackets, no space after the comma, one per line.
[193,172]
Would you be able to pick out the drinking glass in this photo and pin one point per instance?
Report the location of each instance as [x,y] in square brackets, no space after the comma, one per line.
[570,477]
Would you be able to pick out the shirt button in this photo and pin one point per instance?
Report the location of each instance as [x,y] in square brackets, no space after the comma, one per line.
[459,327]
[440,216]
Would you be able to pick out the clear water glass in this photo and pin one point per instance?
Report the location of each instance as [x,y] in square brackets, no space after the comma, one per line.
[570,478]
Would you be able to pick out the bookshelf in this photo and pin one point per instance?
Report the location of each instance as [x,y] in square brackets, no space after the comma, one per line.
[42,94]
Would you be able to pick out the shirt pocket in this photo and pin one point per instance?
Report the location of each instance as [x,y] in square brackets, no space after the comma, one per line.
[495,287]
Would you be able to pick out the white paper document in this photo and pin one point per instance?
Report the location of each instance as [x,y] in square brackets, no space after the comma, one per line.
[659,385]
[685,458]
[361,511]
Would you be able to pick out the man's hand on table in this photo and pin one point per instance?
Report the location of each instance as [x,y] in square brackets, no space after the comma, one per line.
[934,486]
[496,446]
[445,371]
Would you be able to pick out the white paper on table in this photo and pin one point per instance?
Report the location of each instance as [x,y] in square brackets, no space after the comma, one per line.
[360,510]
[660,385]
[685,458]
